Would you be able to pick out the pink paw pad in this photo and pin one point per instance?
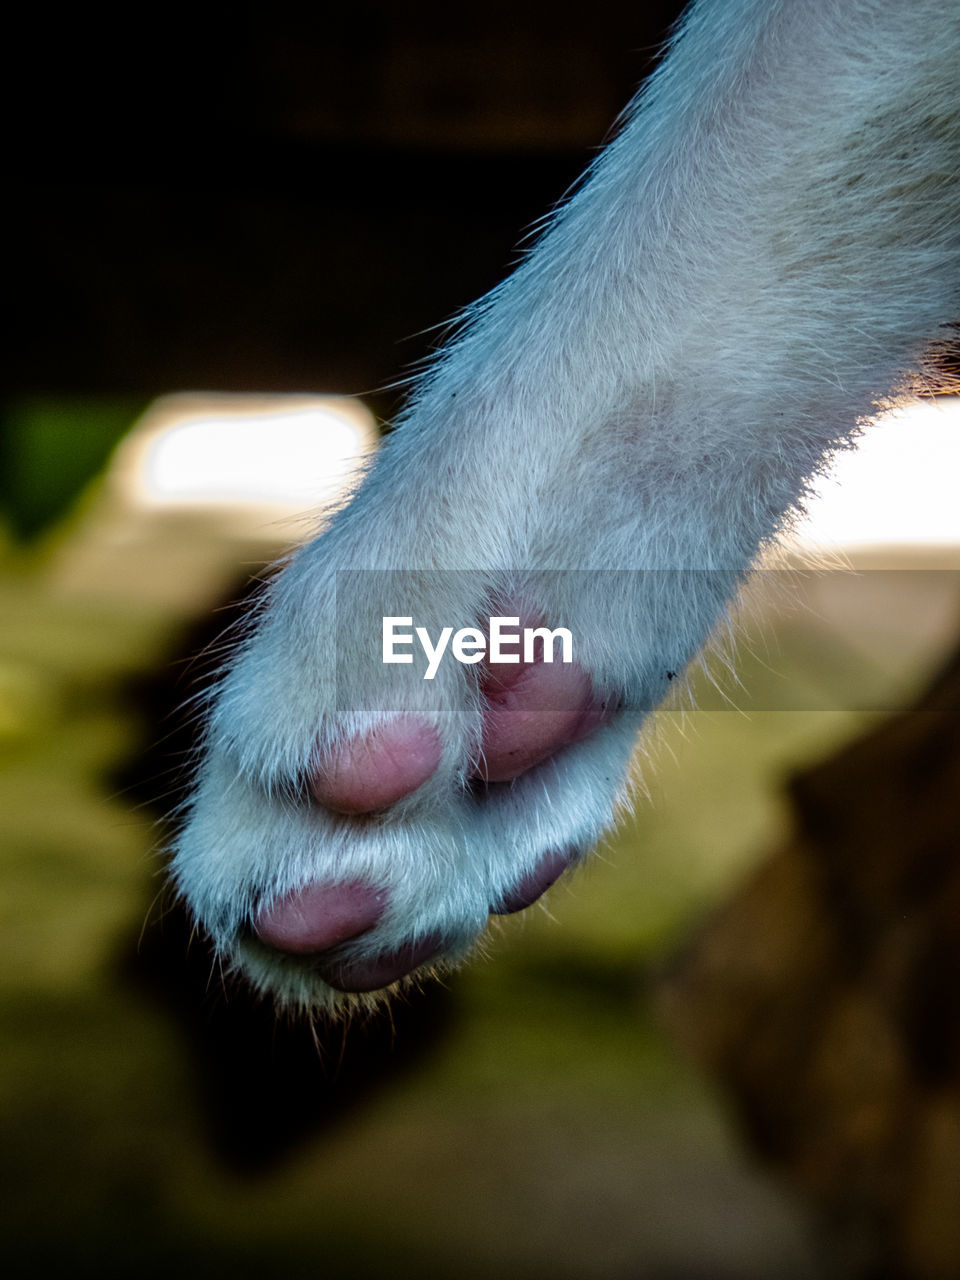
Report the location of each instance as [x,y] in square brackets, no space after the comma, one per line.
[535,883]
[376,769]
[320,916]
[380,971]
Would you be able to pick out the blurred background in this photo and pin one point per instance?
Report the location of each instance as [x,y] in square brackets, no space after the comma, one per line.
[237,229]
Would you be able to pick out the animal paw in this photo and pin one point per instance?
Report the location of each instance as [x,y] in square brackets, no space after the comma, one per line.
[340,842]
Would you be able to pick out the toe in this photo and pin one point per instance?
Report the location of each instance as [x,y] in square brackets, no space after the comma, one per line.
[319,916]
[533,712]
[536,882]
[374,972]
[375,770]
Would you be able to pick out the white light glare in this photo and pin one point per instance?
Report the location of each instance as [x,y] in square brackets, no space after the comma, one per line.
[287,454]
[897,488]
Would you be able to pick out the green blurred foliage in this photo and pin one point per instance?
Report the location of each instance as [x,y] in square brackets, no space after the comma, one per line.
[51,447]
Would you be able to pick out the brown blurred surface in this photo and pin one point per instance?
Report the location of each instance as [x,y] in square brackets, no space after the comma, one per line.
[825,995]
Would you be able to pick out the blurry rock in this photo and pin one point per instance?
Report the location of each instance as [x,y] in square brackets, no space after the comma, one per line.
[826,997]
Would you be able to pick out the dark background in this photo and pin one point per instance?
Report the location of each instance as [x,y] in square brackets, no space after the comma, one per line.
[266,196]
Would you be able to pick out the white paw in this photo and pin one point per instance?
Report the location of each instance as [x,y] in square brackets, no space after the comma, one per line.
[333,846]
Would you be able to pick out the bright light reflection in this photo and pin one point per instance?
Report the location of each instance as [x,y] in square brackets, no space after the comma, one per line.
[266,459]
[897,488]
[283,455]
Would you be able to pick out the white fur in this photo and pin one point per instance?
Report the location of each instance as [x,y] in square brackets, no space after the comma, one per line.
[755,263]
